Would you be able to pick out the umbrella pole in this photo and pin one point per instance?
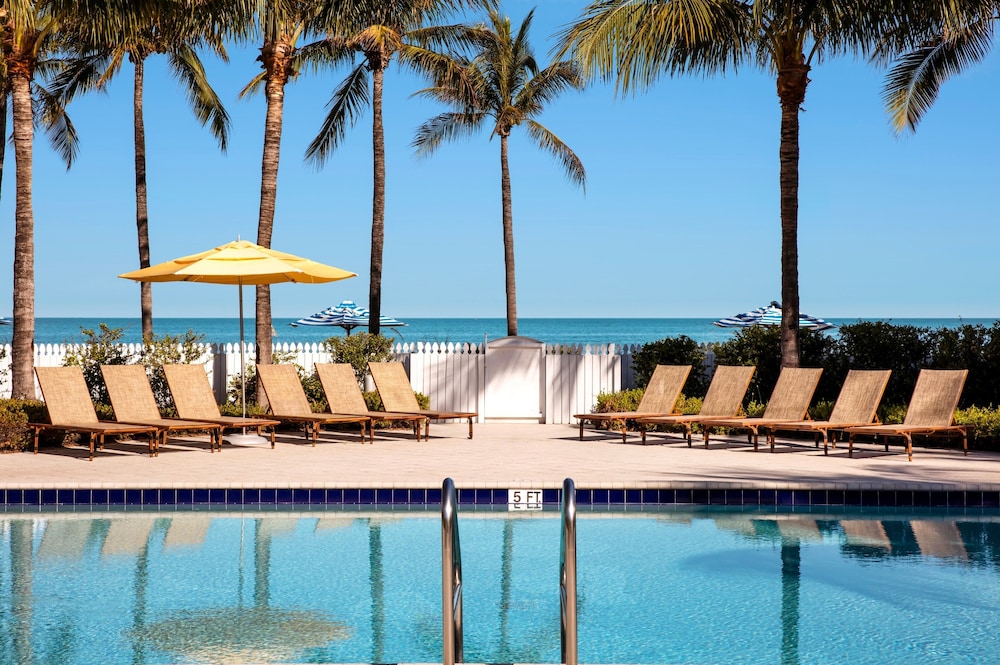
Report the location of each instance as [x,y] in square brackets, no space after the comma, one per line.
[243,437]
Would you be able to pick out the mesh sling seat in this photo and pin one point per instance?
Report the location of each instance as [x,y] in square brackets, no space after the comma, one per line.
[856,404]
[67,399]
[723,399]
[789,402]
[397,395]
[133,402]
[931,412]
[288,402]
[659,399]
[343,395]
[195,400]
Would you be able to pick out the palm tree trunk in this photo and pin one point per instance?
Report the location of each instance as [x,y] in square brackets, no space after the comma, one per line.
[23,335]
[141,211]
[378,204]
[3,132]
[275,90]
[792,81]
[508,237]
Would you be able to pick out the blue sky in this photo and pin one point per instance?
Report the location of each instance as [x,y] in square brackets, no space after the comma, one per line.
[679,219]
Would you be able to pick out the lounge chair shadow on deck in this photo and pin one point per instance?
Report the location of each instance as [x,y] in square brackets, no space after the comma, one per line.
[658,399]
[67,399]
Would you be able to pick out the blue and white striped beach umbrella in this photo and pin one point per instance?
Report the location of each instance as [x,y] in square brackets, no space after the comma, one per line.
[346,315]
[771,316]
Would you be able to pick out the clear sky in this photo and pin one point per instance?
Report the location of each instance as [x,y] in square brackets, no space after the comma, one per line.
[679,218]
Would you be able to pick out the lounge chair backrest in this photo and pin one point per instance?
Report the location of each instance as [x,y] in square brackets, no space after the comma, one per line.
[131,396]
[935,397]
[192,392]
[394,387]
[727,390]
[792,393]
[663,389]
[340,386]
[66,395]
[859,396]
[284,390]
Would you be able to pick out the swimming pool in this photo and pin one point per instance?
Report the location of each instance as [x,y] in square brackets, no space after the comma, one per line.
[674,585]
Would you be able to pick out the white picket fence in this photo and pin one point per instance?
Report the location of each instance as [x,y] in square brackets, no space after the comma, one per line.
[457,377]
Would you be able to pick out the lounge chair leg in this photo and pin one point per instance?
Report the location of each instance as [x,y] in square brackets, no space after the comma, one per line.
[91,442]
[850,445]
[965,442]
[705,433]
[470,427]
[643,429]
[824,442]
[35,436]
[909,448]
[624,432]
[581,429]
[688,427]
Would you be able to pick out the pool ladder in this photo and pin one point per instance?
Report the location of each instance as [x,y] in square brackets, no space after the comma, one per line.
[451,575]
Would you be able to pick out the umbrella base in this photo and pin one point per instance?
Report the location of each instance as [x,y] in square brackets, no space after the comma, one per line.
[238,439]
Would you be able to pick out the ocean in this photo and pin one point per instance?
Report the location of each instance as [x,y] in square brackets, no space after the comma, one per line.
[453,330]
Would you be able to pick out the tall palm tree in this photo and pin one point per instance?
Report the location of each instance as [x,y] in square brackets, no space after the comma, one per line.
[635,42]
[507,89]
[378,31]
[958,41]
[174,30]
[283,26]
[29,32]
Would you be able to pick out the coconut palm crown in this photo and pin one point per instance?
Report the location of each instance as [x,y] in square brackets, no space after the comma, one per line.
[501,86]
[635,42]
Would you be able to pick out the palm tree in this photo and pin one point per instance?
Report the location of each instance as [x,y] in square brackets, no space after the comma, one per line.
[507,89]
[282,25]
[174,30]
[28,34]
[952,45]
[378,31]
[635,42]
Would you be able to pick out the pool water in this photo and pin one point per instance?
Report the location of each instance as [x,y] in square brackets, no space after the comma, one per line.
[679,586]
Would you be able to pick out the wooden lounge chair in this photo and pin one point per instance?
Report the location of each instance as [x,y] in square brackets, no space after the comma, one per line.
[344,396]
[856,405]
[288,402]
[67,400]
[397,395]
[195,400]
[789,402]
[931,412]
[659,398]
[723,399]
[133,402]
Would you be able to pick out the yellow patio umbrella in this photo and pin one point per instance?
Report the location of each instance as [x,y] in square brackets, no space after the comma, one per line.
[240,263]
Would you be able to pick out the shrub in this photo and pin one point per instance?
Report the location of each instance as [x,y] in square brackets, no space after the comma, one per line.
[882,345]
[358,350]
[103,347]
[977,349]
[986,424]
[761,346]
[14,431]
[169,350]
[681,350]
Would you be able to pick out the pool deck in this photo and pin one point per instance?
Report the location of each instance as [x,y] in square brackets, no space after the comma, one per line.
[501,456]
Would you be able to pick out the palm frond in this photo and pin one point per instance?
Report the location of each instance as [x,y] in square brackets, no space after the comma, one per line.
[548,84]
[348,100]
[322,55]
[445,127]
[254,87]
[59,129]
[207,107]
[81,75]
[551,143]
[913,83]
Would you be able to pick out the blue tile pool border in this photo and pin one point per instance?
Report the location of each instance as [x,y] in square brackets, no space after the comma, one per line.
[714,495]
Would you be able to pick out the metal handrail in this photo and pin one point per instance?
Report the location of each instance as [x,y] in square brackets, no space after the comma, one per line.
[567,573]
[451,576]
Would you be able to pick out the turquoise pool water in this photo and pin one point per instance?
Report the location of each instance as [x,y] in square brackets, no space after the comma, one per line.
[679,586]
